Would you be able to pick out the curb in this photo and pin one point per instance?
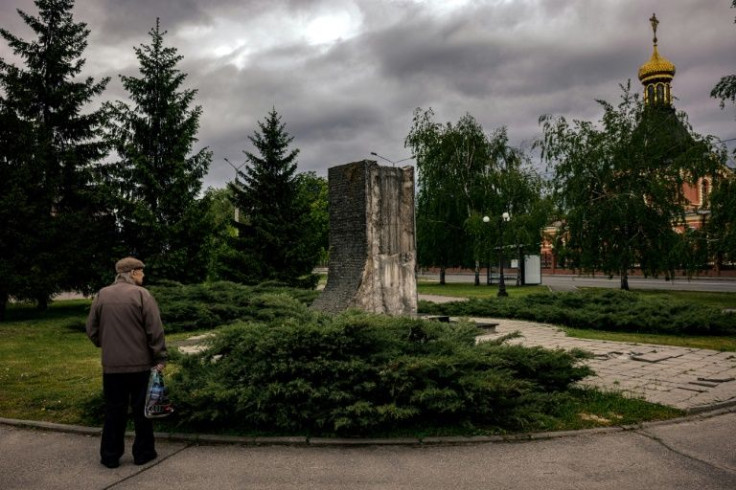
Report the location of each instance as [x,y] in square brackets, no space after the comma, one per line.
[317,442]
[725,405]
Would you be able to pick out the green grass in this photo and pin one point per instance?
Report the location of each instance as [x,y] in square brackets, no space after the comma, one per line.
[716,300]
[51,372]
[591,408]
[725,344]
[49,366]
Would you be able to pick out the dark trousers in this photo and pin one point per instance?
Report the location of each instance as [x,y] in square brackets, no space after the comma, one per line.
[122,390]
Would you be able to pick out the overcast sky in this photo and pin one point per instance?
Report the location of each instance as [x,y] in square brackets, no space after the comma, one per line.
[346,75]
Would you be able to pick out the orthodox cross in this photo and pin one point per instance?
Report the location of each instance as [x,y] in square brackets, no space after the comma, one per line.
[654,23]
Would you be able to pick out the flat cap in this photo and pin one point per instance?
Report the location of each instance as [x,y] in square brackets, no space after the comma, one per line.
[128,264]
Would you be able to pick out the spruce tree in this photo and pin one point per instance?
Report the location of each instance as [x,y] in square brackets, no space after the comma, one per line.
[54,228]
[17,205]
[275,239]
[157,178]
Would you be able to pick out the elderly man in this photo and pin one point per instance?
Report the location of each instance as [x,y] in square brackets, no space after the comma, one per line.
[125,322]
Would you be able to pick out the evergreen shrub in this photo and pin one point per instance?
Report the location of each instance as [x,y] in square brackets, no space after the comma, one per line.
[609,310]
[209,305]
[354,373]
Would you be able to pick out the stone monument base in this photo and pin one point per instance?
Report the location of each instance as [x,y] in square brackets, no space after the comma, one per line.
[372,240]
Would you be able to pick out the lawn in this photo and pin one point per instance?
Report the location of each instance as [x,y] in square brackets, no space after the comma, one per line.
[49,366]
[724,344]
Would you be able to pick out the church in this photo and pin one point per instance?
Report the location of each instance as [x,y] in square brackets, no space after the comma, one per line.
[656,76]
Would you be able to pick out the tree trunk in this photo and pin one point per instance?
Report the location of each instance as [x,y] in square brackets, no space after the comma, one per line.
[42,303]
[3,305]
[520,269]
[477,273]
[442,276]
[625,267]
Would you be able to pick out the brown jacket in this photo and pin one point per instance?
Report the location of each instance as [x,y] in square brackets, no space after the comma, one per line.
[125,321]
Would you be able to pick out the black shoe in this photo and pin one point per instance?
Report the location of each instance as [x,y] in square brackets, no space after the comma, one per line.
[112,463]
[145,459]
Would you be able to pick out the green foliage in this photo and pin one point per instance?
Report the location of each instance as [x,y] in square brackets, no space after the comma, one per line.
[157,181]
[619,185]
[275,240]
[220,212]
[209,305]
[50,196]
[316,192]
[355,373]
[17,206]
[721,226]
[615,311]
[465,174]
[725,89]
[442,203]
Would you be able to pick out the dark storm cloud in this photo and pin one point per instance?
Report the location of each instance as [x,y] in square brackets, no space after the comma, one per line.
[504,62]
[119,21]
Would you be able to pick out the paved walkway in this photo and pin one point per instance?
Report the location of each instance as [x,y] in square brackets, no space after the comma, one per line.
[685,378]
[689,379]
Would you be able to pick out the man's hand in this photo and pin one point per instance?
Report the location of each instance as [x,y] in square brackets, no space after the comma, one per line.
[160,367]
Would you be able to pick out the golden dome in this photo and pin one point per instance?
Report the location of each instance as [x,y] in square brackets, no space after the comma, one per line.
[658,67]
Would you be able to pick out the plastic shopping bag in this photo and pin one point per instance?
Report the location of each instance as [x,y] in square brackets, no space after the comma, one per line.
[157,401]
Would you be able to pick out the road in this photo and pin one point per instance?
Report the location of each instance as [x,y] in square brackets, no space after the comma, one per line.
[565,282]
[693,453]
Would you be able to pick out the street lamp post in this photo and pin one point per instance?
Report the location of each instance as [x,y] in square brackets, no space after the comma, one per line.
[390,161]
[704,213]
[505,217]
[236,213]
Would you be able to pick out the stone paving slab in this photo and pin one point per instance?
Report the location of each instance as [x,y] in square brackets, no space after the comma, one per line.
[685,378]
